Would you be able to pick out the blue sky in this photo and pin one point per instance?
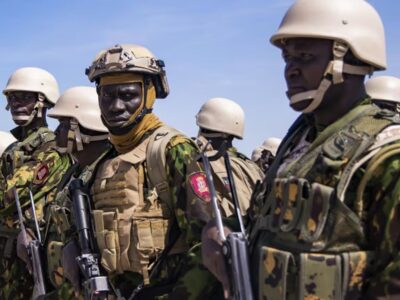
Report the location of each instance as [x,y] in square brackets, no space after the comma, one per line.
[211,49]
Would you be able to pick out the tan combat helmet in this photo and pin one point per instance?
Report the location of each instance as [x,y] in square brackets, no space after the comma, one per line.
[270,144]
[130,58]
[223,116]
[352,25]
[80,104]
[36,80]
[385,88]
[6,139]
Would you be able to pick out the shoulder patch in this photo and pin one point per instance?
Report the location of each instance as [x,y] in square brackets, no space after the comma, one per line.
[198,182]
[41,173]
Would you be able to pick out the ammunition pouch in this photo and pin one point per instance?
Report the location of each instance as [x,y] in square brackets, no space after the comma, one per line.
[284,275]
[301,206]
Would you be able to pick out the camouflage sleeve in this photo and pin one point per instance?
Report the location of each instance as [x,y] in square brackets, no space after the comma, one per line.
[40,174]
[382,220]
[190,194]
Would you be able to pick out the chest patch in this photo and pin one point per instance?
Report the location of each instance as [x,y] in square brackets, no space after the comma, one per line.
[198,182]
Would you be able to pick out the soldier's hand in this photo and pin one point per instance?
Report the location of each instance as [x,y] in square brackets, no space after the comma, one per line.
[212,255]
[23,241]
[71,269]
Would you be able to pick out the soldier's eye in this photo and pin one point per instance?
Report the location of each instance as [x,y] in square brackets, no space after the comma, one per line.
[128,95]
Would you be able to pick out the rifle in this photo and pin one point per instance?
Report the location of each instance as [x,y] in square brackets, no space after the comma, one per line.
[234,245]
[34,247]
[95,285]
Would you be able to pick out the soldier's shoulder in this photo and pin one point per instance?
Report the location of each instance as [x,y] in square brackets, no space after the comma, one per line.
[42,138]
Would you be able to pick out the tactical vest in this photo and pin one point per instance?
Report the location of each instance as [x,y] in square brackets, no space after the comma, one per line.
[307,243]
[13,157]
[245,175]
[133,210]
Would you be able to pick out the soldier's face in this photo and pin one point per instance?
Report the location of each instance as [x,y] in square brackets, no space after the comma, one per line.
[21,104]
[62,132]
[119,102]
[306,60]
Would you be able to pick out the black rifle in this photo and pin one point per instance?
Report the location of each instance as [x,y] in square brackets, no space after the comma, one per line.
[234,246]
[34,247]
[95,285]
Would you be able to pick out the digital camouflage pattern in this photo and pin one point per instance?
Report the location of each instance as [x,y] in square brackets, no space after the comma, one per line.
[37,167]
[342,249]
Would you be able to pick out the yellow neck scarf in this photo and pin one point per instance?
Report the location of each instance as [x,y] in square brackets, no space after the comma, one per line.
[127,142]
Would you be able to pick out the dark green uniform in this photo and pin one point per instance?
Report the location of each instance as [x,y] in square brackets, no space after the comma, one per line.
[325,224]
[28,165]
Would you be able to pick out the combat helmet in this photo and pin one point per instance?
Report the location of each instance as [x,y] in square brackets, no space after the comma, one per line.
[80,105]
[222,116]
[385,88]
[351,24]
[129,63]
[128,58]
[31,79]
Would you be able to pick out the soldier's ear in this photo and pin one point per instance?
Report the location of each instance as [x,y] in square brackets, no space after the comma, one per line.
[98,89]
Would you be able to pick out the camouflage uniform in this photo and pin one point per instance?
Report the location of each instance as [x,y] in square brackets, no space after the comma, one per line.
[36,167]
[245,175]
[327,216]
[181,268]
[61,229]
[150,199]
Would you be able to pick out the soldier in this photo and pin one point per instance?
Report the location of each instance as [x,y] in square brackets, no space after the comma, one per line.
[150,198]
[82,135]
[327,224]
[221,120]
[6,139]
[385,91]
[264,155]
[28,166]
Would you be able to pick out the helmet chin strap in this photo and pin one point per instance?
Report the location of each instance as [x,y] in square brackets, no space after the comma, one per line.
[37,111]
[74,134]
[128,126]
[333,75]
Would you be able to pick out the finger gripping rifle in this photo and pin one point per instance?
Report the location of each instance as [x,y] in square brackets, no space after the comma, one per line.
[234,245]
[95,285]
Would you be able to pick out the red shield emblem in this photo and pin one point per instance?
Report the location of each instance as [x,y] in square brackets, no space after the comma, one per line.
[198,182]
[41,173]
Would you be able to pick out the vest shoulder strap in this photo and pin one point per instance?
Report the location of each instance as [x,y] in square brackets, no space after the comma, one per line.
[155,159]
